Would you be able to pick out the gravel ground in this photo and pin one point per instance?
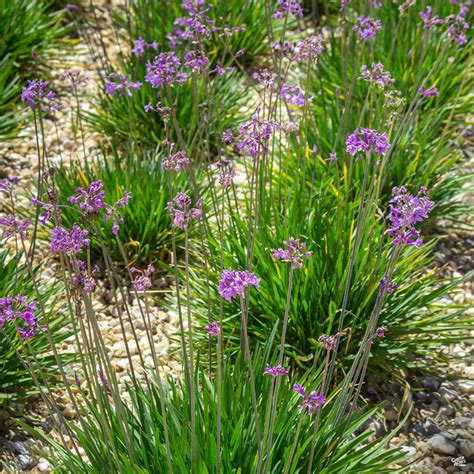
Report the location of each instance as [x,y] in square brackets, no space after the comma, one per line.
[439,432]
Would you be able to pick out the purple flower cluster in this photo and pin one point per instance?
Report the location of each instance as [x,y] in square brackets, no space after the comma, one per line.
[293,252]
[293,95]
[367,27]
[13,227]
[274,371]
[430,92]
[165,69]
[430,21]
[83,279]
[387,284]
[69,242]
[213,329]
[175,161]
[253,135]
[196,60]
[329,342]
[92,201]
[265,78]
[225,173]
[407,210]
[458,26]
[140,44]
[308,49]
[377,75]
[142,281]
[18,310]
[233,283]
[381,331]
[76,78]
[288,7]
[37,94]
[363,140]
[118,84]
[7,185]
[183,213]
[311,402]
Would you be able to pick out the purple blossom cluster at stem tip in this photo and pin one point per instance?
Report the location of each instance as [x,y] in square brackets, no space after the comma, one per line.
[288,7]
[118,84]
[38,95]
[406,210]
[233,283]
[12,227]
[366,27]
[21,313]
[69,242]
[274,371]
[329,342]
[213,329]
[388,285]
[293,251]
[363,140]
[142,281]
[175,161]
[92,202]
[183,213]
[311,402]
[254,135]
[140,44]
[82,278]
[381,331]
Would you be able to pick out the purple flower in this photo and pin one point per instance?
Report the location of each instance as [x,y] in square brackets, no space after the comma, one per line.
[36,93]
[233,283]
[176,161]
[344,4]
[293,252]
[405,211]
[142,281]
[7,185]
[387,284]
[311,402]
[274,371]
[430,21]
[69,242]
[377,4]
[196,61]
[213,329]
[226,173]
[76,78]
[363,139]
[308,49]
[367,27]
[83,279]
[183,213]
[458,26]
[21,313]
[381,331]
[332,157]
[72,8]
[377,75]
[253,135]
[140,44]
[430,92]
[288,7]
[293,95]
[90,200]
[103,379]
[118,84]
[164,70]
[265,78]
[228,136]
[13,227]
[329,342]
